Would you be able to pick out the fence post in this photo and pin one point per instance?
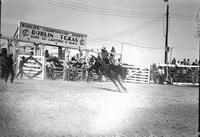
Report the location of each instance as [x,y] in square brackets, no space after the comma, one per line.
[149,73]
[43,67]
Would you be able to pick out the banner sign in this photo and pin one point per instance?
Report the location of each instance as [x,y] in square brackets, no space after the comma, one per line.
[41,34]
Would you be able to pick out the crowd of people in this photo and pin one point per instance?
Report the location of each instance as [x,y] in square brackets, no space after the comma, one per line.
[185,62]
[185,73]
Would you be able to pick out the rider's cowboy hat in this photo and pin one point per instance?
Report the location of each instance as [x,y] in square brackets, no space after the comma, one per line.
[10,53]
[104,48]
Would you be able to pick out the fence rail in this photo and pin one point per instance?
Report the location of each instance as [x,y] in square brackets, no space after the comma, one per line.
[33,67]
[138,73]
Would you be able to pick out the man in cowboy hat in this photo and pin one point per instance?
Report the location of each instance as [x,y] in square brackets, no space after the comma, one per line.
[9,68]
[104,55]
[3,59]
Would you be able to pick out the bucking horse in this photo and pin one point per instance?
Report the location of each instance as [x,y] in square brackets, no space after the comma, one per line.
[111,71]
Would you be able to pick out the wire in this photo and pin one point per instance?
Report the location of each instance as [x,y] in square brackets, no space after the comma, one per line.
[91,9]
[128,32]
[122,13]
[140,46]
[111,12]
[103,9]
[182,15]
[182,18]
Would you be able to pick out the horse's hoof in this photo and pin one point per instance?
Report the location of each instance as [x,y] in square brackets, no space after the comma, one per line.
[125,90]
[118,90]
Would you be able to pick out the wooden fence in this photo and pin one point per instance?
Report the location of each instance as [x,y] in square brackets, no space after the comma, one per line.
[58,70]
[138,73]
[33,67]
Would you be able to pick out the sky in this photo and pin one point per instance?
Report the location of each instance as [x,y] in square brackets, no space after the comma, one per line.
[138,25]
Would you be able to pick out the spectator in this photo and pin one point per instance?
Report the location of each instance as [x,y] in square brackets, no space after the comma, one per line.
[160,75]
[81,58]
[3,62]
[47,54]
[174,61]
[74,59]
[21,64]
[31,53]
[66,70]
[195,75]
[84,70]
[183,74]
[178,62]
[195,62]
[188,62]
[50,69]
[9,68]
[91,61]
[184,62]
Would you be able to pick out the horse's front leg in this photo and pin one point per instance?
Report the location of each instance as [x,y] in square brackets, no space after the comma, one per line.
[116,84]
[100,76]
[124,88]
[88,76]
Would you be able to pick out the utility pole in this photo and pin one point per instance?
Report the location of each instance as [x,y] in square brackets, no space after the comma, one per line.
[198,26]
[166,44]
[0,22]
[198,36]
[166,35]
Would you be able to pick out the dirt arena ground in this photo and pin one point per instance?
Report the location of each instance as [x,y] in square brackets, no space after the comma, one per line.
[30,108]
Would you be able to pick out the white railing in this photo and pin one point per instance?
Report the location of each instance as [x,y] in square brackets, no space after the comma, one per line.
[138,73]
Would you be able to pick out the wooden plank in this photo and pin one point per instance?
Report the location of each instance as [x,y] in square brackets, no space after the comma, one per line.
[139,77]
[32,71]
[142,82]
[33,67]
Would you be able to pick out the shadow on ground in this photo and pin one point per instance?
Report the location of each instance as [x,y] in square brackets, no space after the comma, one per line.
[107,89]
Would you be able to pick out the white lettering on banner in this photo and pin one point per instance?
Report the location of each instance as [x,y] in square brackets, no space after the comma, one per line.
[51,36]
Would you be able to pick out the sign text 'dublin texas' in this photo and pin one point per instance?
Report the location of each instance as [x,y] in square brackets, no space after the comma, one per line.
[51,36]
